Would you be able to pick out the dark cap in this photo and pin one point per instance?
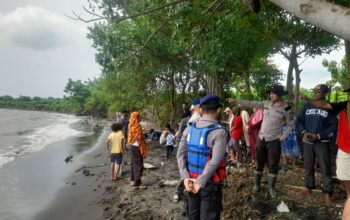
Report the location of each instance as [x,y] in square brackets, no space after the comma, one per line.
[321,88]
[210,101]
[196,101]
[278,90]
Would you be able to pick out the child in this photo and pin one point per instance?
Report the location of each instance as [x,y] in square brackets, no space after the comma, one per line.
[117,142]
[170,141]
[236,135]
[290,147]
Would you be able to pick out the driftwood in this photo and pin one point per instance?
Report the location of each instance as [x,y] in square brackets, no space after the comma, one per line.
[168,182]
[301,188]
[88,167]
[149,166]
[157,174]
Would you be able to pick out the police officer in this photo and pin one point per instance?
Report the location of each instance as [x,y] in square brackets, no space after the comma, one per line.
[268,148]
[201,161]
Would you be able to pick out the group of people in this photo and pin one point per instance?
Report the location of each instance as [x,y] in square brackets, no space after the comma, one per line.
[243,131]
[127,131]
[202,148]
[203,143]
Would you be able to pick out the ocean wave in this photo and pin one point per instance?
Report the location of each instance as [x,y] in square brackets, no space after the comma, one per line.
[25,132]
[40,138]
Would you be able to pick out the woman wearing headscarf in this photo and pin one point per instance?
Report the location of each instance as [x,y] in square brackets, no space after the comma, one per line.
[254,125]
[138,149]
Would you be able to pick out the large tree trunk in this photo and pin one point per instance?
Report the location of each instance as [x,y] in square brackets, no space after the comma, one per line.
[291,58]
[347,52]
[289,85]
[213,87]
[297,82]
[173,101]
[246,77]
[332,18]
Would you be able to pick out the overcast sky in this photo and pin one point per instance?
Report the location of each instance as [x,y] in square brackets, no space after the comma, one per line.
[40,49]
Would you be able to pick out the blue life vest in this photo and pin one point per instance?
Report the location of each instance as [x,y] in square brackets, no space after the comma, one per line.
[199,154]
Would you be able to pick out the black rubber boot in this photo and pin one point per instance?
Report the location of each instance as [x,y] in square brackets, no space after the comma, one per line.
[257,181]
[272,178]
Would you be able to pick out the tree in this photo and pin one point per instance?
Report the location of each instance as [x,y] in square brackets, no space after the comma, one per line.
[79,92]
[339,73]
[322,14]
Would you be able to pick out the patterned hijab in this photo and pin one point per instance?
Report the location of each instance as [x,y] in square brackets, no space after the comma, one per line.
[136,134]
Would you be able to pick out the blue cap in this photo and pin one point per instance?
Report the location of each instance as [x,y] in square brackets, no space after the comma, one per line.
[196,101]
[211,101]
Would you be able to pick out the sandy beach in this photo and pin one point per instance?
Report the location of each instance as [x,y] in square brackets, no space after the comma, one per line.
[87,192]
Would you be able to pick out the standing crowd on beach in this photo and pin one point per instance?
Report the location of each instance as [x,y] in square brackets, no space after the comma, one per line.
[207,146]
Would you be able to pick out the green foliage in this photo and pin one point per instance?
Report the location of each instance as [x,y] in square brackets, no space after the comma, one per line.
[153,62]
[339,73]
[79,92]
[42,104]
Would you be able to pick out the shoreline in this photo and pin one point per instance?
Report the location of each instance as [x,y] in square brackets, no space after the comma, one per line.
[94,196]
[58,112]
[76,199]
[86,191]
[29,183]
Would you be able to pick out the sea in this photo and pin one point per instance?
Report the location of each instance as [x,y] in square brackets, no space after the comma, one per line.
[34,147]
[25,132]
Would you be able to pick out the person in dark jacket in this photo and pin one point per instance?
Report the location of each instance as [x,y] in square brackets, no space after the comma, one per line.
[343,140]
[317,126]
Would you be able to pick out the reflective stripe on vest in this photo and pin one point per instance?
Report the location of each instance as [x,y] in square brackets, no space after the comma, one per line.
[199,154]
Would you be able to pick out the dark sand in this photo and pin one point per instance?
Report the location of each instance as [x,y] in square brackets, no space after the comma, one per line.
[90,194]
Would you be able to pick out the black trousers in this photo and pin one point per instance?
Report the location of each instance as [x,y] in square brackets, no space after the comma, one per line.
[136,165]
[180,190]
[268,152]
[169,150]
[206,204]
[321,151]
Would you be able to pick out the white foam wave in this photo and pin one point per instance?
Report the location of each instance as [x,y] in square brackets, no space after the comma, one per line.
[42,137]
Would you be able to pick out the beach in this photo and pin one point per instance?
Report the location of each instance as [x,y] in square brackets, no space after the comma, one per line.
[44,185]
[33,158]
[95,196]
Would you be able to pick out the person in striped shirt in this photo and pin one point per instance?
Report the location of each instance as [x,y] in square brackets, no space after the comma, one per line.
[170,141]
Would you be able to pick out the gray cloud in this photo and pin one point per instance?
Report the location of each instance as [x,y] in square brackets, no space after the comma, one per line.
[39,40]
[37,28]
[40,48]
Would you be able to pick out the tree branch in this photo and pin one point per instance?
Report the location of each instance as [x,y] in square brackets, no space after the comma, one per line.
[205,23]
[149,11]
[154,33]
[117,19]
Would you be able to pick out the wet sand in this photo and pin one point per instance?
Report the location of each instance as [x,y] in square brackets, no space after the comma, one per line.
[90,194]
[29,183]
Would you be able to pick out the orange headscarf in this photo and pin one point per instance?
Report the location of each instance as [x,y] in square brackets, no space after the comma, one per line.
[135,133]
